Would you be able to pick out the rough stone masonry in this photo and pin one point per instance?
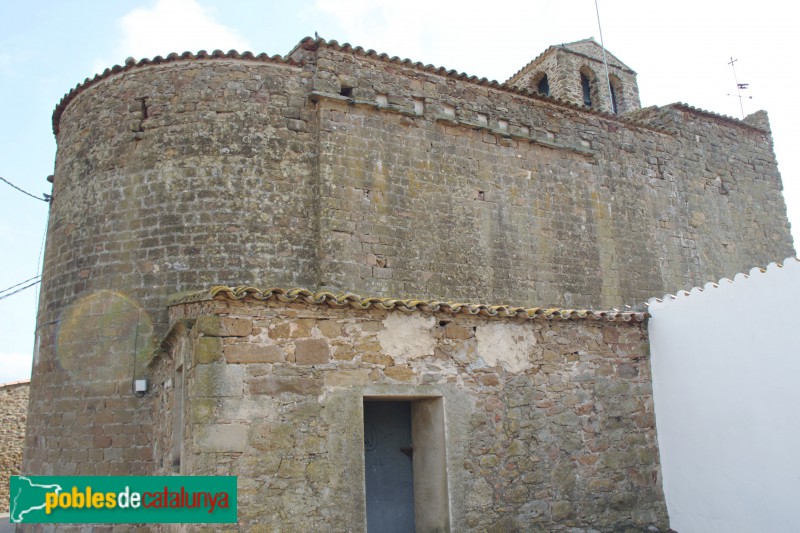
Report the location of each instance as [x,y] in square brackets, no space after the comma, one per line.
[548,414]
[341,169]
[13,416]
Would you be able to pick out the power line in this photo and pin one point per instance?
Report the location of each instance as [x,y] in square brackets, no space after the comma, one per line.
[46,198]
[39,264]
[20,283]
[20,290]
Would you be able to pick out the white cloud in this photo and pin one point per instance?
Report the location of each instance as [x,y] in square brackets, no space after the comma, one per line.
[15,366]
[457,34]
[172,26]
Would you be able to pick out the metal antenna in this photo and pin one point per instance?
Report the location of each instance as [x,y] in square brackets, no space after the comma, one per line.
[603,46]
[739,86]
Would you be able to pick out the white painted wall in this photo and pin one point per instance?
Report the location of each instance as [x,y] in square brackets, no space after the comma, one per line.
[726,386]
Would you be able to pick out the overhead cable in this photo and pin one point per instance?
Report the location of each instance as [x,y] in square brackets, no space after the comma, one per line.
[3,297]
[20,283]
[46,197]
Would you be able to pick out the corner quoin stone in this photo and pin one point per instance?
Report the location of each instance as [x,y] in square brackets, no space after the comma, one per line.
[208,350]
[218,380]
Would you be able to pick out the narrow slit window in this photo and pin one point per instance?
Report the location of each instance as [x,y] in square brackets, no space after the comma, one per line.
[587,90]
[543,86]
[618,104]
[613,100]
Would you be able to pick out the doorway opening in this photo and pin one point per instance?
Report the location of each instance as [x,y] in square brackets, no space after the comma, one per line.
[405,465]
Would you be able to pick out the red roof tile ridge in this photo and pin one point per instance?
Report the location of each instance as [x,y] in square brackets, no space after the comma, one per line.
[348,299]
[529,63]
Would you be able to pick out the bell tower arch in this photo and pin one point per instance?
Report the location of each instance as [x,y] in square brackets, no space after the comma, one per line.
[575,72]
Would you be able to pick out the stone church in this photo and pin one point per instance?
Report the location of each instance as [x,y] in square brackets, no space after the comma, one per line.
[381,293]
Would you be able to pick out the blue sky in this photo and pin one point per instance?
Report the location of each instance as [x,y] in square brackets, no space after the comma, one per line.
[679,49]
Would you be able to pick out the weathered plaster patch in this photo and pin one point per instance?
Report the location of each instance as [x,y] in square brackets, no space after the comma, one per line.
[407,336]
[507,344]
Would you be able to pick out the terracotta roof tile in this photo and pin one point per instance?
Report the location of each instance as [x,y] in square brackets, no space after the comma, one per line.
[131,63]
[565,46]
[425,306]
[711,114]
[310,43]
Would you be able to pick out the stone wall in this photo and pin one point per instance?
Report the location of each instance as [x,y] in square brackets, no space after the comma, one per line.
[549,420]
[13,416]
[346,170]
[167,178]
[488,195]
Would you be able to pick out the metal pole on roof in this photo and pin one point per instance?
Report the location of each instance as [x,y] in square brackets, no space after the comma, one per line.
[603,46]
[739,86]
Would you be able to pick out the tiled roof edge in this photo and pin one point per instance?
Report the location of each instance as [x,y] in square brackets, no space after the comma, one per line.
[711,114]
[310,43]
[425,306]
[12,383]
[159,60]
[528,64]
[600,46]
[565,46]
[793,261]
